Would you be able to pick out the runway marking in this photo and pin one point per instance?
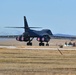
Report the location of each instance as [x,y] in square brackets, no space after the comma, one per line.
[37,48]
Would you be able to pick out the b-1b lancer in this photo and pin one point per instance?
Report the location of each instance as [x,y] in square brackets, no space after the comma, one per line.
[42,36]
[29,34]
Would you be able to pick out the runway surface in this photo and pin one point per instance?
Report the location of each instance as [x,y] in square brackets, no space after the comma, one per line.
[53,45]
[37,48]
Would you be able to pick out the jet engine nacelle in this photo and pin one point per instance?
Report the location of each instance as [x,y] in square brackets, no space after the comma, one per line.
[44,38]
[22,38]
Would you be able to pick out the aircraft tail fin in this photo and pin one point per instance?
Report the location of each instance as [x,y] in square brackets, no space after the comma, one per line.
[25,24]
[26,27]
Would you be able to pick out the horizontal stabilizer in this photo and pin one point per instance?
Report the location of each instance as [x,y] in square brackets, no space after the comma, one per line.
[23,27]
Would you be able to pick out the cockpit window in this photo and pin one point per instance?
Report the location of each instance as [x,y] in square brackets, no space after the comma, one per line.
[49,32]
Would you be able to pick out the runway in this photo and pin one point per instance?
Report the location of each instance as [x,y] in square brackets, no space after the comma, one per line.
[37,48]
[26,47]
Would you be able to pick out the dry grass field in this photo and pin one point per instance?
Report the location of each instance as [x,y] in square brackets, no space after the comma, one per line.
[36,62]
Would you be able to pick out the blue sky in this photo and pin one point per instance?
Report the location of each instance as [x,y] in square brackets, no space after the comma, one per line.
[57,15]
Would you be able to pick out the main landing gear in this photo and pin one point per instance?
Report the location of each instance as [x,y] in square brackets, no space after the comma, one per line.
[47,44]
[42,44]
[29,44]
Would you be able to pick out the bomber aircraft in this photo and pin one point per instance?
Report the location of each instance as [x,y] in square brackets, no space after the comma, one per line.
[42,36]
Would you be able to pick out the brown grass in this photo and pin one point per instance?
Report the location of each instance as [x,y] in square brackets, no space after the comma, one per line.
[37,62]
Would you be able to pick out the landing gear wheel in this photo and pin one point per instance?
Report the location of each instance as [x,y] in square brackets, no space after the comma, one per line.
[41,44]
[29,44]
[47,44]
